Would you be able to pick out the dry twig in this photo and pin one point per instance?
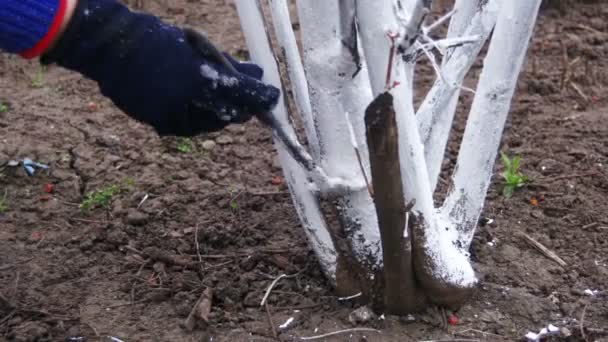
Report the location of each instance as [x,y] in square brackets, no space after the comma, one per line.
[454,340]
[198,248]
[272,285]
[544,250]
[200,310]
[339,332]
[271,323]
[582,324]
[479,332]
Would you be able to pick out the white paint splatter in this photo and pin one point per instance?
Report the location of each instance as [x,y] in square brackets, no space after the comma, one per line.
[229,81]
[550,330]
[590,292]
[209,72]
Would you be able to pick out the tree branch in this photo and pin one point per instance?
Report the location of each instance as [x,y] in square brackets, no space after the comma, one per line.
[305,200]
[488,114]
[436,114]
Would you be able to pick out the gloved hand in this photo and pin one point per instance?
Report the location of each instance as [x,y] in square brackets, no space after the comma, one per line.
[156,74]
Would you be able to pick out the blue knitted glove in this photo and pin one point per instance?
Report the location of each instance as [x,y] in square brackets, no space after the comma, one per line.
[152,71]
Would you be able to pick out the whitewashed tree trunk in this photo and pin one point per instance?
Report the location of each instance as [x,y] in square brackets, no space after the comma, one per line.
[342,69]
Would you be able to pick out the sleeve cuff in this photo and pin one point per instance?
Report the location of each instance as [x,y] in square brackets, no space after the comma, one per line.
[43,44]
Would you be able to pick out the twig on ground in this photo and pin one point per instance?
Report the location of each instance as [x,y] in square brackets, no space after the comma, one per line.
[479,332]
[127,304]
[269,193]
[89,221]
[298,307]
[218,265]
[582,324]
[579,91]
[339,332]
[570,176]
[200,310]
[350,297]
[143,201]
[198,248]
[590,225]
[95,331]
[270,322]
[584,27]
[544,250]
[249,253]
[454,340]
[272,285]
[133,250]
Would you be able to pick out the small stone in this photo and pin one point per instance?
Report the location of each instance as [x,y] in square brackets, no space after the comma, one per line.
[224,140]
[213,176]
[361,315]
[208,145]
[181,175]
[136,218]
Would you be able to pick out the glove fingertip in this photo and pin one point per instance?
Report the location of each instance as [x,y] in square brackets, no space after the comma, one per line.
[250,69]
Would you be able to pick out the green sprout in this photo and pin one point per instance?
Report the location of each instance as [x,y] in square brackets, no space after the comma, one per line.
[185,145]
[234,206]
[234,195]
[102,198]
[3,204]
[3,108]
[513,178]
[37,81]
[99,198]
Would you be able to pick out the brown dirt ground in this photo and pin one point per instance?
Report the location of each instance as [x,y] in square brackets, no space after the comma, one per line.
[67,273]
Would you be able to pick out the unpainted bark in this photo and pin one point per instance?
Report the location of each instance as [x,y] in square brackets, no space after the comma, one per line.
[401,294]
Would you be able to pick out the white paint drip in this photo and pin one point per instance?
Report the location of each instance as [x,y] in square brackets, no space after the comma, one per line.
[550,330]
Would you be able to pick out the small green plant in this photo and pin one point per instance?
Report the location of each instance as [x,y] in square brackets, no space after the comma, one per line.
[234,195]
[513,178]
[3,205]
[99,198]
[103,197]
[3,108]
[233,205]
[185,145]
[37,81]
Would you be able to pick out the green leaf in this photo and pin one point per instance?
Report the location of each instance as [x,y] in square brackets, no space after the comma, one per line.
[506,161]
[507,191]
[515,163]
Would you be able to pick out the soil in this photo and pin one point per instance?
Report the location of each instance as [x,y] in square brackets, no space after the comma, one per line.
[213,213]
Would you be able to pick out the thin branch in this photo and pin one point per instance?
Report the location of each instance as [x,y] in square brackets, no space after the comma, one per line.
[353,141]
[271,323]
[545,251]
[454,340]
[426,30]
[391,56]
[198,248]
[582,324]
[272,285]
[339,332]
[350,297]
